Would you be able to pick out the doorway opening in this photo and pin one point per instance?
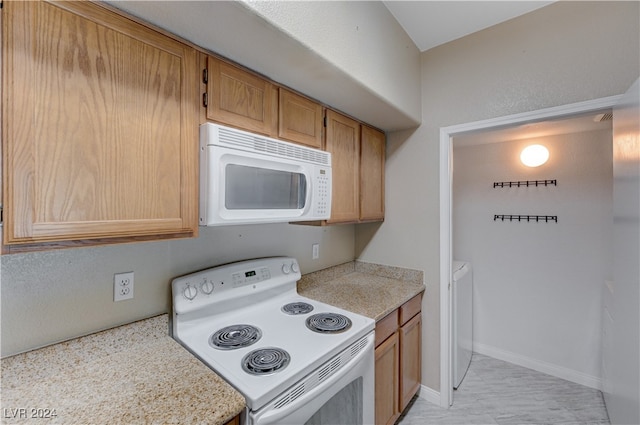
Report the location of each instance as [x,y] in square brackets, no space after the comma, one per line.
[447,135]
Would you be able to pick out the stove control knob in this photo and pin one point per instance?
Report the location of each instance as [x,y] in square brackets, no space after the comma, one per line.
[285,269]
[207,287]
[294,267]
[190,292]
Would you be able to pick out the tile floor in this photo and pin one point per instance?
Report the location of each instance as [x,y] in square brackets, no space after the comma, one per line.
[496,392]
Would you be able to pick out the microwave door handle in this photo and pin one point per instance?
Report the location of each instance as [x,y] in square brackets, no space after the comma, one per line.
[309,190]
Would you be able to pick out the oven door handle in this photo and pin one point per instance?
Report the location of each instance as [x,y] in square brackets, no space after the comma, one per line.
[304,406]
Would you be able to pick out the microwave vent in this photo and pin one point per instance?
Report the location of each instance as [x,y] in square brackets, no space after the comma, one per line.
[252,142]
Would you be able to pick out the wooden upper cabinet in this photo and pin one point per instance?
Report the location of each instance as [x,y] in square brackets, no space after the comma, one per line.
[358,160]
[372,160]
[240,98]
[100,131]
[343,141]
[300,119]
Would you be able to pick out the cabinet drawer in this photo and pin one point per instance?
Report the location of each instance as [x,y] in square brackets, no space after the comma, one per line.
[386,327]
[410,309]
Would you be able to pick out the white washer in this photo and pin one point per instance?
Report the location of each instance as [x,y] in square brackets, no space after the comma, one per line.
[462,320]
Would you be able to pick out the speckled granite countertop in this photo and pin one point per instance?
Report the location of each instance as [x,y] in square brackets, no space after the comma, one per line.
[364,288]
[133,374]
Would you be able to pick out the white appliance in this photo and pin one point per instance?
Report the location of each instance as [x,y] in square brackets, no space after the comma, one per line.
[295,360]
[249,178]
[462,320]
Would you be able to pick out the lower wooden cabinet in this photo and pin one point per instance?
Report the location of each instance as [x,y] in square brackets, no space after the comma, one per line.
[387,380]
[234,421]
[410,363]
[398,360]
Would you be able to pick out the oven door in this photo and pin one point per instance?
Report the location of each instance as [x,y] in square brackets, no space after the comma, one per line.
[338,392]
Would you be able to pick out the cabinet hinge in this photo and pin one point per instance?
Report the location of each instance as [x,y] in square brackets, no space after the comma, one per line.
[205,76]
[324,121]
[205,100]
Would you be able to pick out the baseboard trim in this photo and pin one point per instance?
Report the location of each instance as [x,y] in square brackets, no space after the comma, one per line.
[540,366]
[430,395]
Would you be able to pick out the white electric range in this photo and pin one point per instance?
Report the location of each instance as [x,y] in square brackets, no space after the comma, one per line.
[288,355]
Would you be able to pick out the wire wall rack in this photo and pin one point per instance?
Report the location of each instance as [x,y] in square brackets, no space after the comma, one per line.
[528,218]
[526,183]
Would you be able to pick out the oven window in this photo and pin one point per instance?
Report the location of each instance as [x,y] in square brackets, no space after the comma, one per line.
[253,188]
[344,408]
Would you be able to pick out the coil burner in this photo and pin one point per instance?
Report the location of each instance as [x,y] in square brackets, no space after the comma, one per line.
[265,361]
[297,308]
[235,336]
[328,323]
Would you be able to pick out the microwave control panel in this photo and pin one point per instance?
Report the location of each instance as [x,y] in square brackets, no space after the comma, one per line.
[322,206]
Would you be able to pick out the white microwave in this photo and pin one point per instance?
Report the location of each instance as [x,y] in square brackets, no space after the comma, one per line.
[248,178]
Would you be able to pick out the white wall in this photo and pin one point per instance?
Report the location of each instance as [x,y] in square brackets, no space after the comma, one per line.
[621,351]
[52,296]
[560,54]
[538,286]
[362,38]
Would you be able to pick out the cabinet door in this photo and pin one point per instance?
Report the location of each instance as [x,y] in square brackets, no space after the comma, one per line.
[387,357]
[372,159]
[343,141]
[300,119]
[240,99]
[234,421]
[99,126]
[410,360]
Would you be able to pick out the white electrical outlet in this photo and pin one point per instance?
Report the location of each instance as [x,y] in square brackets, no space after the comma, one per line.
[315,251]
[122,286]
